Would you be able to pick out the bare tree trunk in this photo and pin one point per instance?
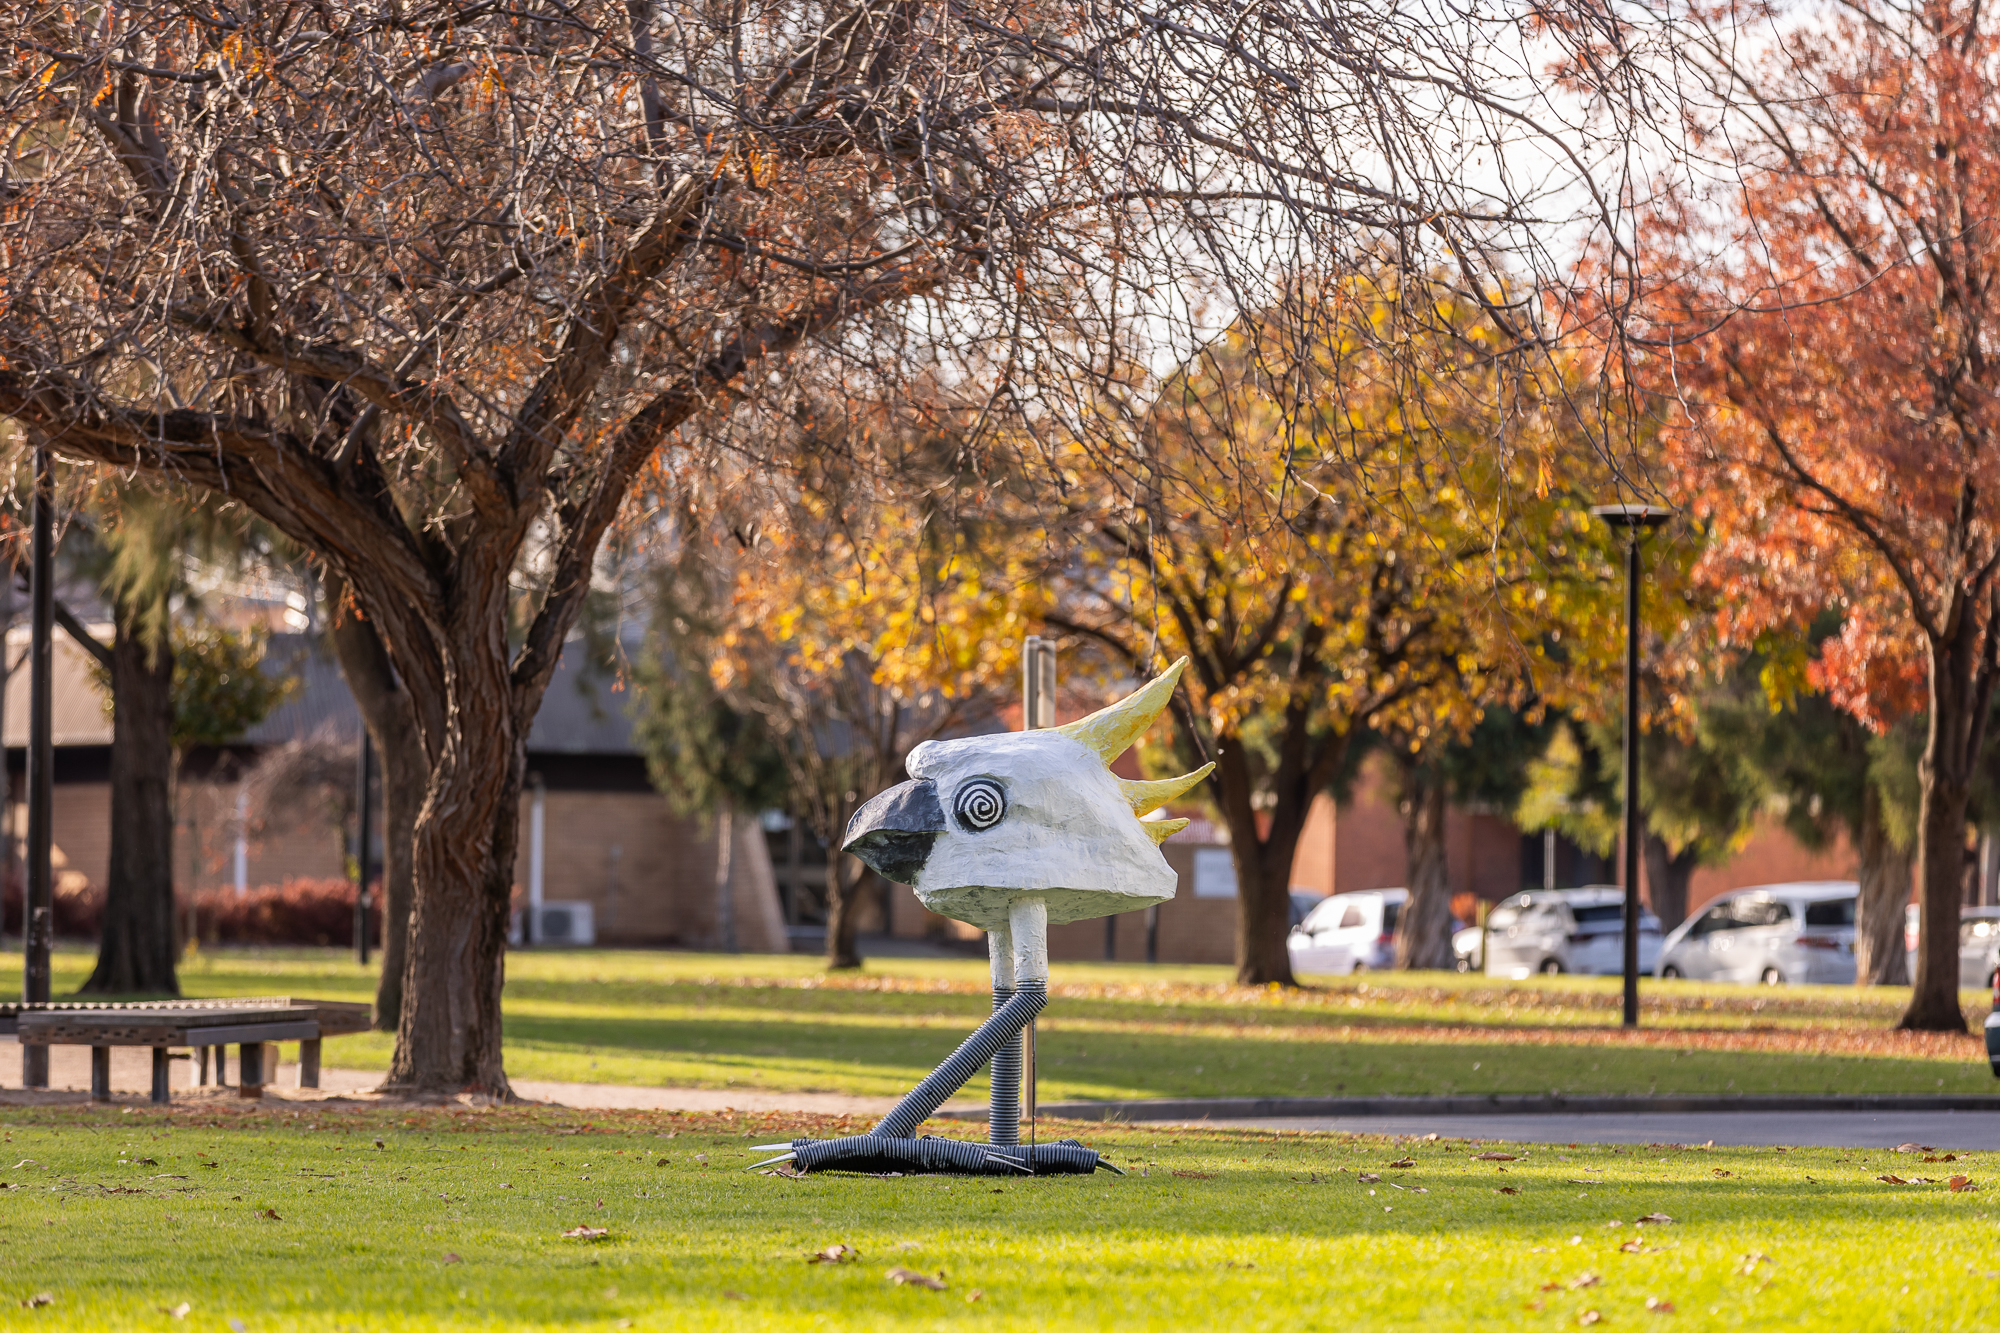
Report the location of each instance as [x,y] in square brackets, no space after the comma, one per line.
[392,725]
[1880,955]
[1667,876]
[1957,718]
[448,1034]
[843,914]
[1423,930]
[1263,862]
[136,951]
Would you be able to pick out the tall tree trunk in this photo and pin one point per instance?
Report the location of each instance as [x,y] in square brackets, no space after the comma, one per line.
[136,952]
[1957,717]
[843,909]
[1423,930]
[392,725]
[1880,956]
[1263,862]
[448,1033]
[1667,876]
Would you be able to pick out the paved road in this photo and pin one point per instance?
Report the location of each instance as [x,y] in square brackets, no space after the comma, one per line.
[1958,1130]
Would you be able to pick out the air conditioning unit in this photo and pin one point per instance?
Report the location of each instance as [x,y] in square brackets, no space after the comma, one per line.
[557,924]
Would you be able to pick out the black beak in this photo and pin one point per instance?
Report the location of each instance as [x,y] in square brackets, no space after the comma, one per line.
[893,833]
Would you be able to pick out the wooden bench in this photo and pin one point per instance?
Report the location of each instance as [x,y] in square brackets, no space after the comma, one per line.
[201,1026]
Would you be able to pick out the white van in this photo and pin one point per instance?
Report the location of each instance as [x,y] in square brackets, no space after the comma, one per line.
[1348,932]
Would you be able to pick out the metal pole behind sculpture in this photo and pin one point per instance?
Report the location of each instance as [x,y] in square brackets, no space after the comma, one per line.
[38,905]
[1038,711]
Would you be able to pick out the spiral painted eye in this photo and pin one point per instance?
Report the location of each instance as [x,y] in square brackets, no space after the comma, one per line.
[980,804]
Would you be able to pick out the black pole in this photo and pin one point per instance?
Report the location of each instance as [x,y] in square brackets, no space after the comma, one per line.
[38,908]
[361,831]
[1632,779]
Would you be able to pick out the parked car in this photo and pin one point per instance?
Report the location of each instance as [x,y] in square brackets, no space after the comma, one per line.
[1978,945]
[1775,933]
[1303,901]
[1348,932]
[1557,930]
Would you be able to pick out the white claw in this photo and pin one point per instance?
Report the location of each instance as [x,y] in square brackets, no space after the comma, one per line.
[769,1147]
[783,1157]
[1008,1161]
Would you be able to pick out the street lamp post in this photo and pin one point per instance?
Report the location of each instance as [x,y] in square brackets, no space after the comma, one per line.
[1637,521]
[38,902]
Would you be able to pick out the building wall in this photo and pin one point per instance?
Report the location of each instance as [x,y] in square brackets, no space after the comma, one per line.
[1772,856]
[647,872]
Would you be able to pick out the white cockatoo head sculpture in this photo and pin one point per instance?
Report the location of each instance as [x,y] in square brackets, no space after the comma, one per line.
[986,820]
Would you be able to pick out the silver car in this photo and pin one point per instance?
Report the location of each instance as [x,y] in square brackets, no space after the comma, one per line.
[1978,945]
[1778,934]
[1559,930]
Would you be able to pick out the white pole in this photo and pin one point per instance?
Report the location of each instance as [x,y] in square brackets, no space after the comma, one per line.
[537,815]
[242,848]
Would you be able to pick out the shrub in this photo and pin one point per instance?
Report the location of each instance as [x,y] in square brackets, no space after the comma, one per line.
[79,904]
[299,911]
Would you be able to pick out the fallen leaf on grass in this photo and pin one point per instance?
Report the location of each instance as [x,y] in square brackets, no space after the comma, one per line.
[1944,1157]
[451,1257]
[1750,1261]
[1638,1247]
[974,1295]
[734,1296]
[1658,1306]
[1403,1162]
[1506,1189]
[147,1161]
[1494,1157]
[834,1254]
[1720,1172]
[586,1233]
[910,1277]
[1195,1175]
[1534,1306]
[179,1311]
[1913,1147]
[1892,1179]
[1583,1182]
[1653,1219]
[38,1299]
[272,1214]
[1409,1189]
[701,1157]
[1366,1177]
[1589,1317]
[1552,1286]
[1959,1184]
[1587,1280]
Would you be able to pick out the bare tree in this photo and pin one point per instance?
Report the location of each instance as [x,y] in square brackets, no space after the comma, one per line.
[427,284]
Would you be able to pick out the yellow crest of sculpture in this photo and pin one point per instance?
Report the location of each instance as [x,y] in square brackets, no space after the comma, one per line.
[1109,732]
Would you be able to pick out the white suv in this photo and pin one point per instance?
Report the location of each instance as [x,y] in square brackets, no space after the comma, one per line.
[1558,930]
[1775,933]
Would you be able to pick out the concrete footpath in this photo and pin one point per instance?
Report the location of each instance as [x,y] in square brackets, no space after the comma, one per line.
[1963,1124]
[132,1076]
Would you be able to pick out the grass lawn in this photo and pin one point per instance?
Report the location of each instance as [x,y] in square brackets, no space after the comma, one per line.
[323,1219]
[1112,1031]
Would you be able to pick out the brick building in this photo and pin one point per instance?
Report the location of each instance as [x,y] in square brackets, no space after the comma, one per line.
[609,839]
